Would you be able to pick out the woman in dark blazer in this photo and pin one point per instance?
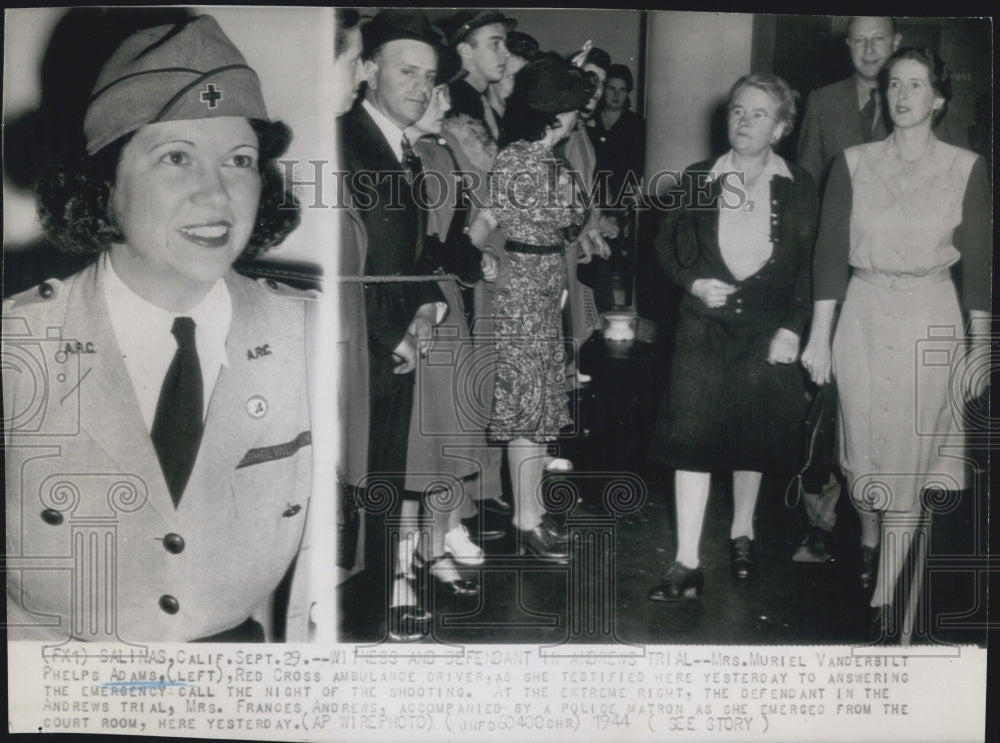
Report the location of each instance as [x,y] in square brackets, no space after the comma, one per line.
[739,242]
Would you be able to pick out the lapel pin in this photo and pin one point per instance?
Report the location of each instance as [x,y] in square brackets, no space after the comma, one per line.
[257,406]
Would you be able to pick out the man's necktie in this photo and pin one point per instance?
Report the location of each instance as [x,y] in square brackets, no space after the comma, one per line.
[177,426]
[869,114]
[411,160]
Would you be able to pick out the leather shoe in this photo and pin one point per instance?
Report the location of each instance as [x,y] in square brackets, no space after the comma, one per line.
[487,525]
[408,623]
[541,545]
[869,567]
[457,586]
[680,582]
[741,563]
[555,528]
[497,505]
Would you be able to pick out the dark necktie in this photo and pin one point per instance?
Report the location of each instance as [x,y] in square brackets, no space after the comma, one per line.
[869,114]
[177,426]
[411,160]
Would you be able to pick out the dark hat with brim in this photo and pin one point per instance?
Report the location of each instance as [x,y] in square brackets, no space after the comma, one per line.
[464,22]
[171,73]
[396,24]
[552,85]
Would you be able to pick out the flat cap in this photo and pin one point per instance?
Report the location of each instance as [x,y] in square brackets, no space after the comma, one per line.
[458,27]
[171,73]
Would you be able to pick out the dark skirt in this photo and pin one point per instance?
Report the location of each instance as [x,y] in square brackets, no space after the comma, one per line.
[726,408]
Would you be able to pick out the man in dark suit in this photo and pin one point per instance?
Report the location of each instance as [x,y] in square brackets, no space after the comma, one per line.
[400,56]
[849,112]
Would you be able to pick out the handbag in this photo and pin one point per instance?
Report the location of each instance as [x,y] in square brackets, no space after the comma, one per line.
[819,430]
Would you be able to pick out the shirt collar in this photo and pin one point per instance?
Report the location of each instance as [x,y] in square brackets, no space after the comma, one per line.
[774,165]
[137,321]
[392,133]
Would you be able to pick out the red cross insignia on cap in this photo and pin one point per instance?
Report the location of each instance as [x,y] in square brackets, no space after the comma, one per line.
[211,95]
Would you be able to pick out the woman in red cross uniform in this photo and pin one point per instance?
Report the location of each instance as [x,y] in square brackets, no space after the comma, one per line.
[157,430]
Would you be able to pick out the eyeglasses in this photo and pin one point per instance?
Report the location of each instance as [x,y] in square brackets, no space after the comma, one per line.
[756,116]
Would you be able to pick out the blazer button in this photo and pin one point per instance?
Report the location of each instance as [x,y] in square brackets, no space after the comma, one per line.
[173,543]
[52,516]
[45,290]
[169,604]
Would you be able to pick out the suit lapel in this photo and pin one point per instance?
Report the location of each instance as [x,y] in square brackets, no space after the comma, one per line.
[368,150]
[106,404]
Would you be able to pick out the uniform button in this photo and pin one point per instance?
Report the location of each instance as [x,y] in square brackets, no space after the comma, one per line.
[169,604]
[739,300]
[45,290]
[52,516]
[173,543]
[738,311]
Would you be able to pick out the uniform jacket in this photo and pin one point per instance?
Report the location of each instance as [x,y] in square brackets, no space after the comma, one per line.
[96,548]
[687,246]
[395,225]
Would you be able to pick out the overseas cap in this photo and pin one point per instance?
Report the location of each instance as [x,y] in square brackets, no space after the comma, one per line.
[171,73]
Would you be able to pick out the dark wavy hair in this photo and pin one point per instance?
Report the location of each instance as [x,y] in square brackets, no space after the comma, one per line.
[73,197]
[937,73]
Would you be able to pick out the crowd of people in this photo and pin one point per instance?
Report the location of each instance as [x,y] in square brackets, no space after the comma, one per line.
[473,263]
[506,125]
[871,216]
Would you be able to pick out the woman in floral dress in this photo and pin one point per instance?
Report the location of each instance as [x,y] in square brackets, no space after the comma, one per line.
[529,202]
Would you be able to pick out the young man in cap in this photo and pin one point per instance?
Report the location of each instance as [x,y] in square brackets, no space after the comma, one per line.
[479,38]
[401,58]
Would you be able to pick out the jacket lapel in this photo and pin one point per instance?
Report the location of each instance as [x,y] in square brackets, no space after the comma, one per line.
[235,417]
[106,405]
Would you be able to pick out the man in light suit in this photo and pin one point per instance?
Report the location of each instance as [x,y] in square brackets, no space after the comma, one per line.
[156,423]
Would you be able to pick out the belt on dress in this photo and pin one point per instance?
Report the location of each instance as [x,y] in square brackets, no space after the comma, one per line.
[515,246]
[901,281]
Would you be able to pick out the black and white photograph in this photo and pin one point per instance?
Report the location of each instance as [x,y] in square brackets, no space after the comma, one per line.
[438,373]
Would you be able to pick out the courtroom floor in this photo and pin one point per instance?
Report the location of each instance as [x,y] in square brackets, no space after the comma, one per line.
[622,527]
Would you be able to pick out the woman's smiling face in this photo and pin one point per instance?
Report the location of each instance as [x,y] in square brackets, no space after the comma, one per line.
[185,198]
